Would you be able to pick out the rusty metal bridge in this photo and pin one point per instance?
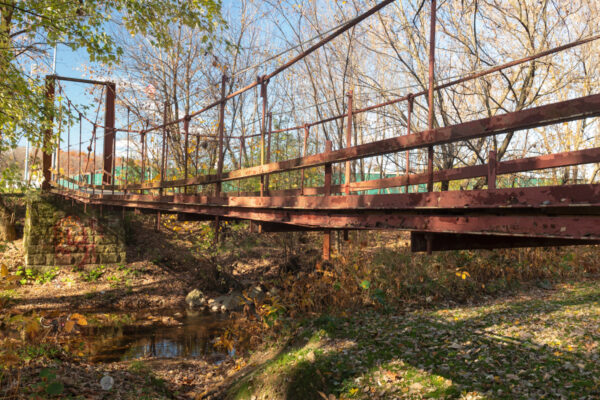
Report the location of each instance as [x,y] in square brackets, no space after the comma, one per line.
[487,217]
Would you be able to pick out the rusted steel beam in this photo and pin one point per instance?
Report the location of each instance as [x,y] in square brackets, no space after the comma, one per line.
[506,167]
[579,157]
[268,150]
[143,150]
[327,193]
[109,134]
[348,142]
[479,222]
[492,170]
[186,130]
[80,80]
[163,156]
[545,199]
[304,150]
[182,217]
[263,128]
[564,111]
[453,241]
[430,109]
[409,112]
[279,227]
[221,128]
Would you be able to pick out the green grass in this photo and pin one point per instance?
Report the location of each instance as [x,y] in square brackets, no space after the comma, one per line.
[530,348]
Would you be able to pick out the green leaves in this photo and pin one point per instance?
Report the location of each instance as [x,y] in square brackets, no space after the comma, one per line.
[29,30]
[50,385]
[54,388]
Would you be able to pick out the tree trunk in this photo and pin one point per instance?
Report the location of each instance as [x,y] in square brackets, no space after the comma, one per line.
[8,231]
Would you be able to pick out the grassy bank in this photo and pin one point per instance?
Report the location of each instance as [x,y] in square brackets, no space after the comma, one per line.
[542,344]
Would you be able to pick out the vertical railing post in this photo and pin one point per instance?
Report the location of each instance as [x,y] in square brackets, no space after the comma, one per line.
[430,153]
[411,100]
[221,155]
[348,142]
[269,132]
[79,155]
[57,154]
[186,130]
[109,133]
[143,172]
[239,182]
[69,149]
[327,192]
[304,147]
[47,141]
[221,131]
[163,153]
[127,155]
[492,169]
[263,128]
[93,174]
[114,163]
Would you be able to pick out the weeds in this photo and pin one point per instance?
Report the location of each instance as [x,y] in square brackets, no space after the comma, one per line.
[49,384]
[93,274]
[32,275]
[41,350]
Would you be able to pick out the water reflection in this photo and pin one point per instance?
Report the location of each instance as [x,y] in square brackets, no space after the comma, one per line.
[194,338]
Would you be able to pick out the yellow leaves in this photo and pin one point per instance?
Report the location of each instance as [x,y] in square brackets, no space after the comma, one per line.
[69,325]
[32,328]
[3,271]
[462,274]
[9,359]
[74,320]
[225,342]
[353,391]
[80,319]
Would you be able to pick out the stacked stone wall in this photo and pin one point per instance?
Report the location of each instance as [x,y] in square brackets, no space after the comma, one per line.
[58,233]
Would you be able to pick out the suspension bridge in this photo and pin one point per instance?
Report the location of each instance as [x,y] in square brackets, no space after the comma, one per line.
[492,215]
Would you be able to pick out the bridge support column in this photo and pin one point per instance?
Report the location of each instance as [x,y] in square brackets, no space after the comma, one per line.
[157,222]
[327,245]
[59,234]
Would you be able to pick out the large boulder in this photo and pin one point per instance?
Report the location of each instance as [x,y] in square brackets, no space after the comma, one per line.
[195,299]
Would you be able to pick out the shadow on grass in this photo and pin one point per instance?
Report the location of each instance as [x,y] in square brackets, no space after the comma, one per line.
[438,357]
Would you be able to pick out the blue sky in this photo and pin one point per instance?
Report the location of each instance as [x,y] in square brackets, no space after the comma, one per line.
[71,63]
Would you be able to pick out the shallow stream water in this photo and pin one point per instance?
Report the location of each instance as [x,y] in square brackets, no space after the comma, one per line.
[193,338]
